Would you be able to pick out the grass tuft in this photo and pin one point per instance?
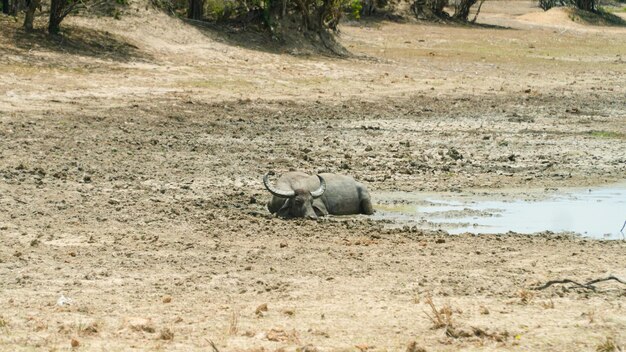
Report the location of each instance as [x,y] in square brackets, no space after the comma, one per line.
[608,345]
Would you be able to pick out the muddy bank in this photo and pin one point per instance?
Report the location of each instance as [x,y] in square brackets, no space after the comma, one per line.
[151,218]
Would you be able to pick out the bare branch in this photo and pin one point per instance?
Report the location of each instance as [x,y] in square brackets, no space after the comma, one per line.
[588,285]
[564,281]
[478,10]
[610,277]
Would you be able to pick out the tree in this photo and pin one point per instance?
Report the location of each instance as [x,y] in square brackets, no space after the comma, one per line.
[5,7]
[59,9]
[196,10]
[31,6]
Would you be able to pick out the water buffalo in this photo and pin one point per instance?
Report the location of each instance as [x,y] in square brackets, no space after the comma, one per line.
[298,195]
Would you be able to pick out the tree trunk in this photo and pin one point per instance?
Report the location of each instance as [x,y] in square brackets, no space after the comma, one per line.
[57,9]
[196,10]
[429,9]
[306,20]
[587,5]
[463,9]
[14,7]
[31,6]
[5,7]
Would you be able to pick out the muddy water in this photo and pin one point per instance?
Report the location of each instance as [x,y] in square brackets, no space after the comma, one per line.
[593,212]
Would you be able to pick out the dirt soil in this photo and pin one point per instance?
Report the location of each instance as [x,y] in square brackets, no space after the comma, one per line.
[132,212]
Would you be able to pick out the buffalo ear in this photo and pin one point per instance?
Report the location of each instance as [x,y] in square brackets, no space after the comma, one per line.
[284,210]
[320,208]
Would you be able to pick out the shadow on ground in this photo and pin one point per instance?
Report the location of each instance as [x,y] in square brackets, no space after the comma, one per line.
[254,35]
[73,40]
[377,19]
[599,18]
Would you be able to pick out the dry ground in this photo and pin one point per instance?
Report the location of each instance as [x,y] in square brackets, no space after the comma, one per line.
[131,154]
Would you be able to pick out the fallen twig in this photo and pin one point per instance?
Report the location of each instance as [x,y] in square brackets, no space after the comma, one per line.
[212,345]
[588,285]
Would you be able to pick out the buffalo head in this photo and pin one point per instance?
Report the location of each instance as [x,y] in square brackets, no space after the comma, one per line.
[298,202]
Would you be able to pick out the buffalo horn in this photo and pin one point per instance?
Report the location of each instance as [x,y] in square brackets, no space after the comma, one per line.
[318,192]
[276,192]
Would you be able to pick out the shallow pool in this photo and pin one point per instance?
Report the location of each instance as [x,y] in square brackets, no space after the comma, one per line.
[598,212]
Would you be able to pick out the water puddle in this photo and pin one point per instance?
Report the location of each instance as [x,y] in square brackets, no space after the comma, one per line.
[598,212]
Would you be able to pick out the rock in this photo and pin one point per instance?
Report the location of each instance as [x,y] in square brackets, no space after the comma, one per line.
[280,335]
[261,309]
[141,324]
[454,154]
[75,343]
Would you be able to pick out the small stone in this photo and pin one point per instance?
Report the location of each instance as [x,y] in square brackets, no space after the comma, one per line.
[261,309]
[167,299]
[75,343]
[413,347]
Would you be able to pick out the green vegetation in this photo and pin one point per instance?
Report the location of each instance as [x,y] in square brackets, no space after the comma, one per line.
[356,6]
[607,134]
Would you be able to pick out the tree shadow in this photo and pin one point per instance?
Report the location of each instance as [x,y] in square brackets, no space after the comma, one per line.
[253,34]
[377,19]
[247,35]
[80,41]
[601,17]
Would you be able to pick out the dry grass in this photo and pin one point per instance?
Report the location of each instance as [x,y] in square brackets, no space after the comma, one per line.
[591,316]
[440,318]
[4,325]
[233,323]
[413,347]
[526,296]
[166,334]
[609,345]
